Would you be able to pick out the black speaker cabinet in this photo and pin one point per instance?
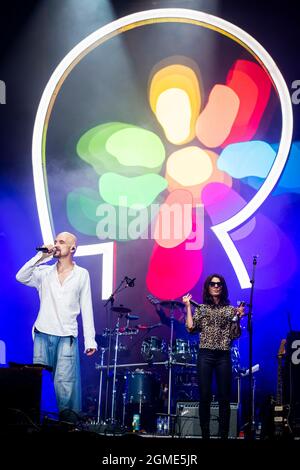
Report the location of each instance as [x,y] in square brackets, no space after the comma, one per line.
[187,419]
[20,394]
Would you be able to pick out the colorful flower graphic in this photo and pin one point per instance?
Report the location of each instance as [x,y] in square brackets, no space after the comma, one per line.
[214,148]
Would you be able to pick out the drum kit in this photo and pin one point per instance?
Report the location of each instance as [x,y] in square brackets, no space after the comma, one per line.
[143,387]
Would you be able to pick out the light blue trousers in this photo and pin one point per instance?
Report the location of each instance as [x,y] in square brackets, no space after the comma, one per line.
[61,354]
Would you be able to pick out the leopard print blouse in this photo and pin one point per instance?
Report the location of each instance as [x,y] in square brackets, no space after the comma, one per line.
[215,325]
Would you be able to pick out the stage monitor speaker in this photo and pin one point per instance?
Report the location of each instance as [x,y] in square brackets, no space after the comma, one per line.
[187,419]
[23,390]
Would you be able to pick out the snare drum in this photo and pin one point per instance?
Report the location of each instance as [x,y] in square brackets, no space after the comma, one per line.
[154,349]
[181,350]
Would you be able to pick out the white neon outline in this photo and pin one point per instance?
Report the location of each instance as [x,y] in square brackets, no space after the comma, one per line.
[221,230]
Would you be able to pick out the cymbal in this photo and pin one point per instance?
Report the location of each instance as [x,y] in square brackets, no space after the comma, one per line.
[148,327]
[143,327]
[172,304]
[121,309]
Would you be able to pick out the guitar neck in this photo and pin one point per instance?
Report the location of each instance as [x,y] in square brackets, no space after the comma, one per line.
[155,301]
[279,382]
[280,355]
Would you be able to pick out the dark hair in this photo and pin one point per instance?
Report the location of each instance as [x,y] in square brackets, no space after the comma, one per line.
[207,298]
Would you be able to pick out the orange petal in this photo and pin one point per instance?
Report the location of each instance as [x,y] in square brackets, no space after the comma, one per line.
[215,122]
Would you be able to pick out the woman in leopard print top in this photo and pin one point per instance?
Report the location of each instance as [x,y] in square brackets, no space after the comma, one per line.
[218,324]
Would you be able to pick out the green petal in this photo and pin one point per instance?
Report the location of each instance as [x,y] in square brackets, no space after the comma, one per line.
[122,148]
[81,210]
[119,190]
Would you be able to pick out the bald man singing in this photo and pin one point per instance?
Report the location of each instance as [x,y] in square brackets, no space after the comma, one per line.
[64,291]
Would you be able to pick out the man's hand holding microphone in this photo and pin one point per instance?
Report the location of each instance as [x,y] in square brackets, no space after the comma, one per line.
[47,250]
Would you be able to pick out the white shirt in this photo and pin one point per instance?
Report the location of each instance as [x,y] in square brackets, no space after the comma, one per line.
[61,303]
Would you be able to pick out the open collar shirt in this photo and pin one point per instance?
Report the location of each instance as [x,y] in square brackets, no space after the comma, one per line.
[60,304]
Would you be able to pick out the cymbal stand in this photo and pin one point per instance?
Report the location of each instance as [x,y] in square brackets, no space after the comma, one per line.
[170,364]
[114,391]
[140,401]
[100,386]
[124,408]
[110,301]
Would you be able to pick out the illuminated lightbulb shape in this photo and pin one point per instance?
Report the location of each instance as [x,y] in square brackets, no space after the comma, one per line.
[221,230]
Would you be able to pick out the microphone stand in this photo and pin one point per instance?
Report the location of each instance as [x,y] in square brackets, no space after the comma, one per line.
[250,429]
[170,364]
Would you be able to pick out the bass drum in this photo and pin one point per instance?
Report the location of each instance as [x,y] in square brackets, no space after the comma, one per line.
[142,387]
[154,349]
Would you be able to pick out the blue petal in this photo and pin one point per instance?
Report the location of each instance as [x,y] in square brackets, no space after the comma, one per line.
[254,158]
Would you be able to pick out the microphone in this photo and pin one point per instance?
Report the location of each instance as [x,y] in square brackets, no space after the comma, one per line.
[241,303]
[130,282]
[44,249]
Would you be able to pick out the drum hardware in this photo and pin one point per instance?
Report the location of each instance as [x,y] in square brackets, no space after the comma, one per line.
[149,327]
[140,397]
[124,408]
[100,386]
[123,347]
[123,331]
[114,391]
[179,353]
[153,348]
[172,304]
[132,317]
[121,309]
[144,364]
[127,331]
[102,341]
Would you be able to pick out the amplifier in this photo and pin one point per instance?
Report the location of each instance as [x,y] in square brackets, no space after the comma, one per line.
[187,419]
